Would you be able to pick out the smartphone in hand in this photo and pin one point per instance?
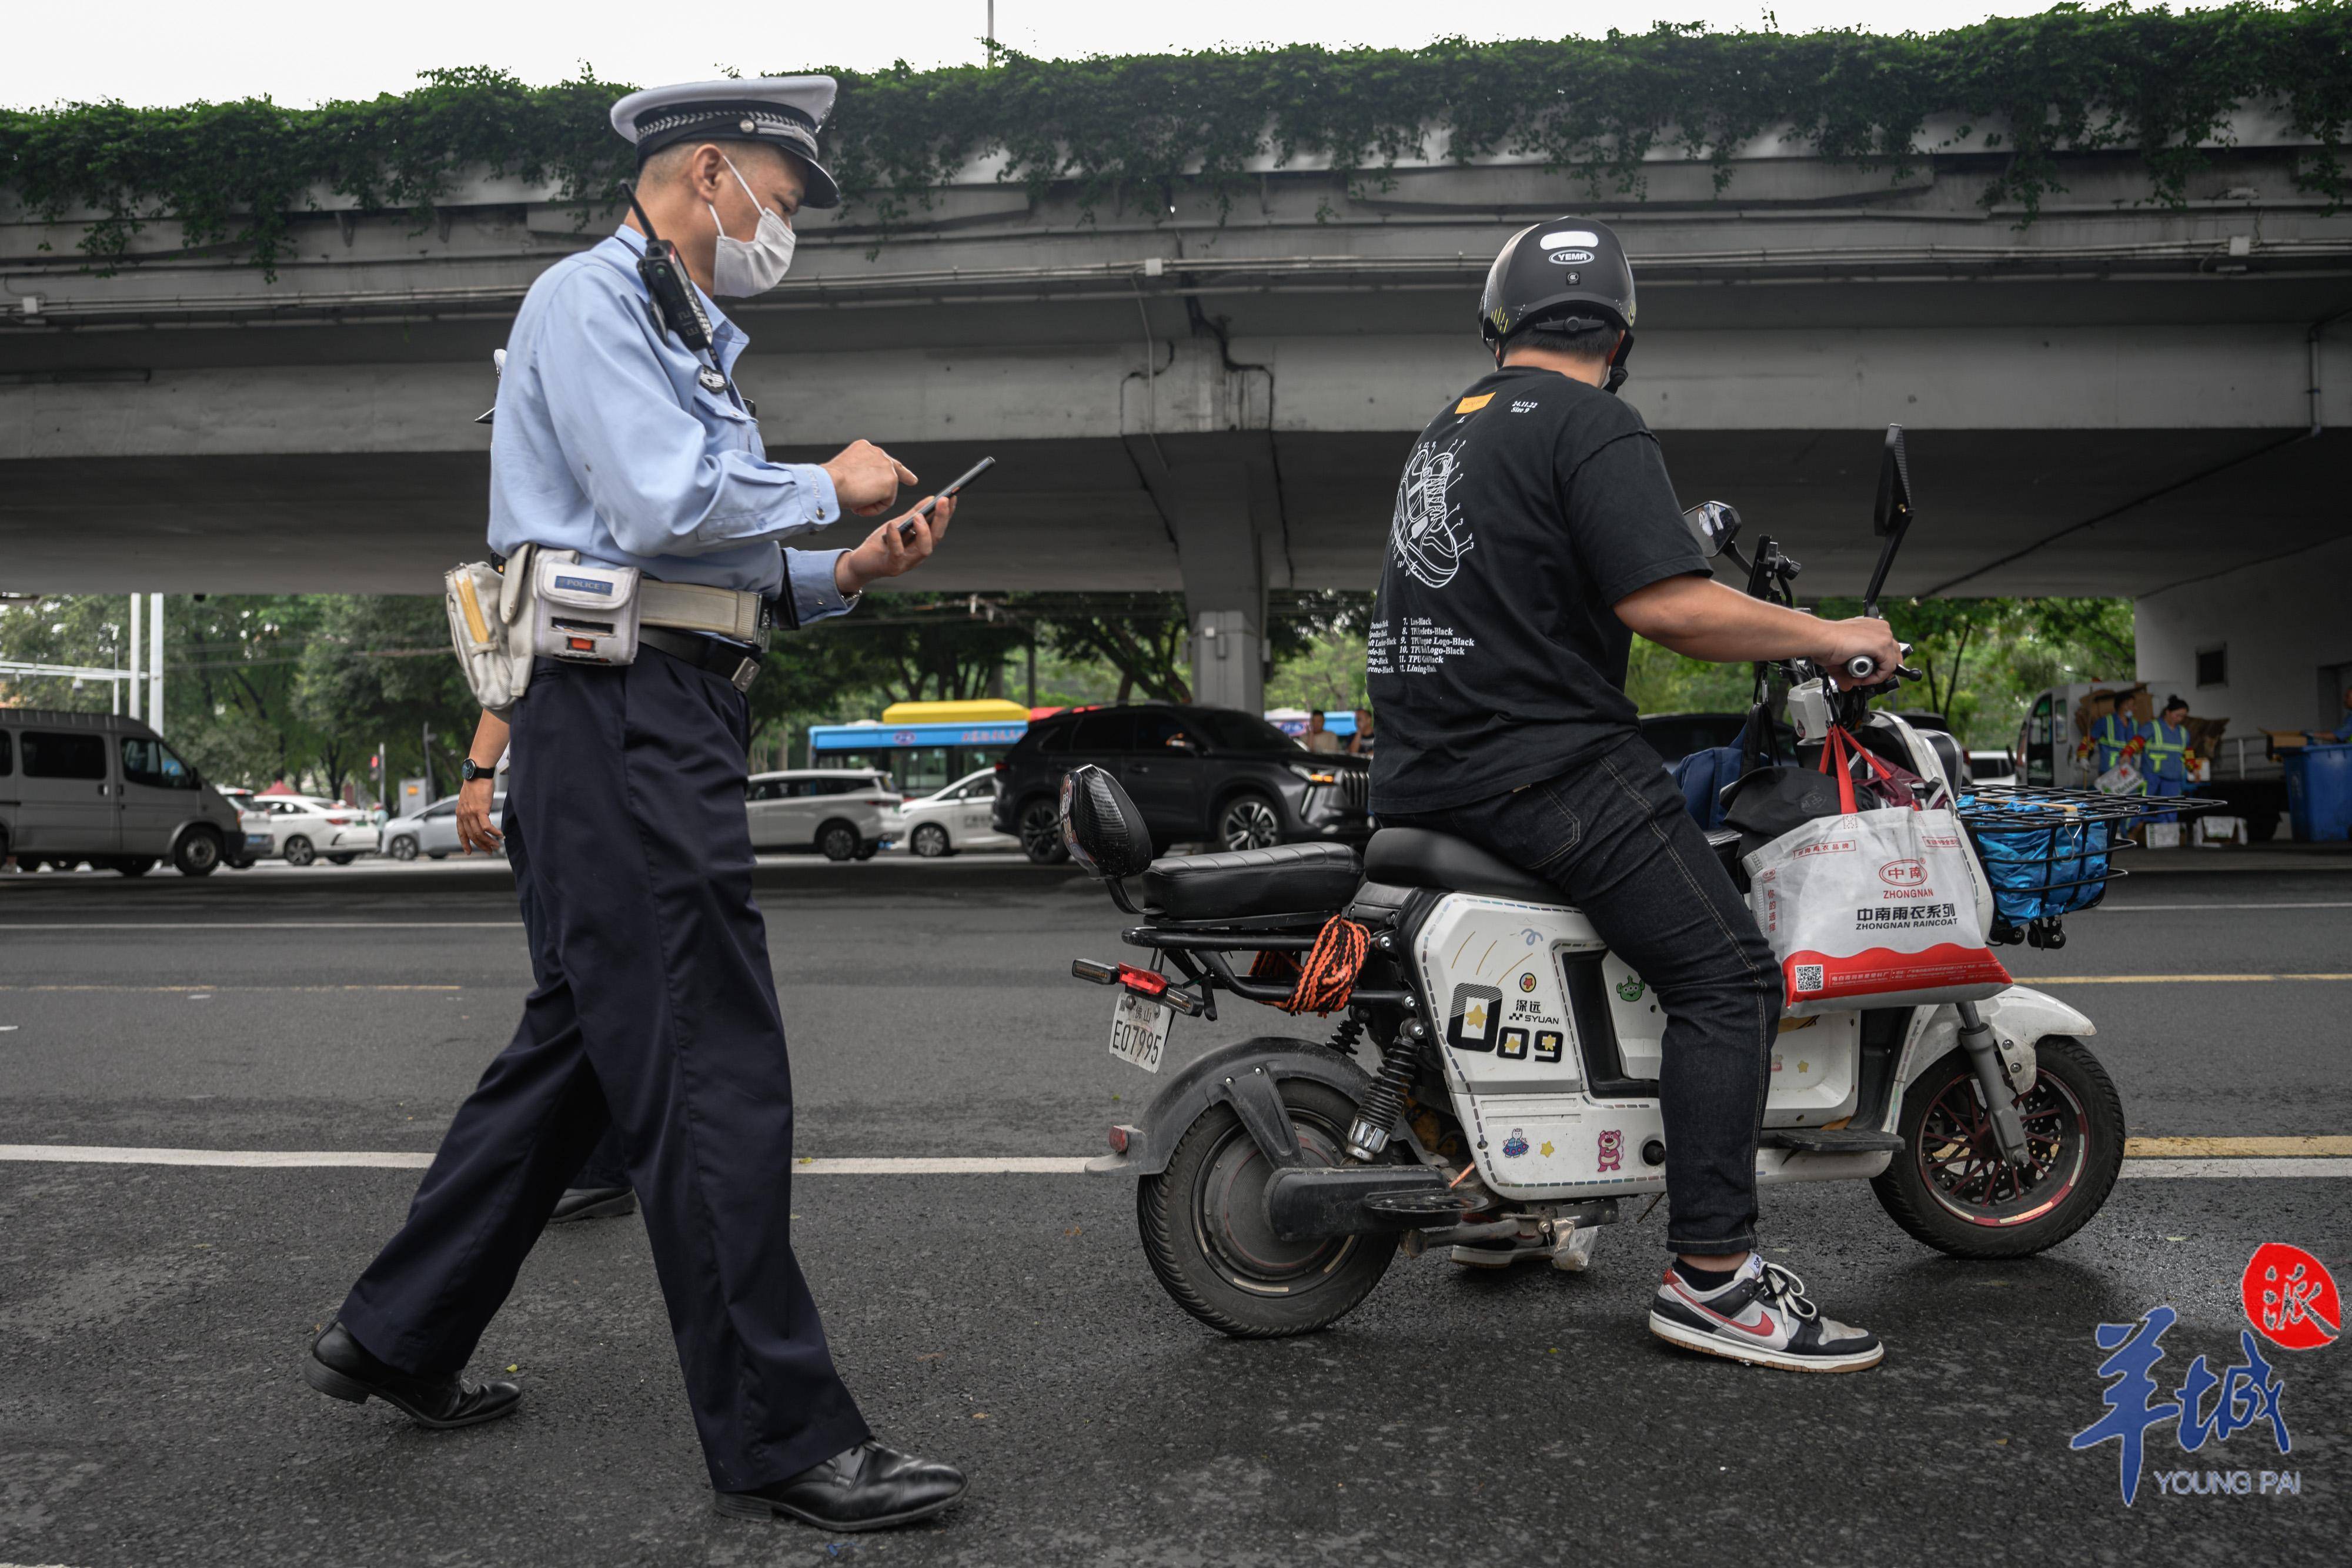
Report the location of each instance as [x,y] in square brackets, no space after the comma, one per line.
[907,529]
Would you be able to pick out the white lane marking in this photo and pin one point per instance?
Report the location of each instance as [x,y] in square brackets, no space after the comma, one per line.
[962,1164]
[392,1159]
[983,1164]
[267,925]
[107,1154]
[2138,908]
[2242,1168]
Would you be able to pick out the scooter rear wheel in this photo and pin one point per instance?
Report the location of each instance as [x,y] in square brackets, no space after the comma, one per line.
[1205,1233]
[1950,1187]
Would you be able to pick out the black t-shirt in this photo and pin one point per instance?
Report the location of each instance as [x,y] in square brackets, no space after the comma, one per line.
[1528,509]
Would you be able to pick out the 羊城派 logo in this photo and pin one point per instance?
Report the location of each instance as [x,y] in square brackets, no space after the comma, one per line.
[2284,1288]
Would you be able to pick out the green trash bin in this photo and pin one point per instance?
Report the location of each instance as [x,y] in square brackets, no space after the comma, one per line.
[2319,792]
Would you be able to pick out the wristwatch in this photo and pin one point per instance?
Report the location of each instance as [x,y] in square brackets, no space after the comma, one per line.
[473,770]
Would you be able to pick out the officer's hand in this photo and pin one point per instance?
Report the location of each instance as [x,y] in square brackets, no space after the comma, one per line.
[1842,640]
[885,554]
[474,829]
[866,479]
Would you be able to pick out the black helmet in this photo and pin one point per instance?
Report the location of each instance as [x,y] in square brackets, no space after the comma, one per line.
[1568,276]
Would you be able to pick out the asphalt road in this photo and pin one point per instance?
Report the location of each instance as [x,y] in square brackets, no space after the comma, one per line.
[152,1318]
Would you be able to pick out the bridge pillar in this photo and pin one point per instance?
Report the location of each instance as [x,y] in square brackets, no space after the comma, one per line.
[1219,549]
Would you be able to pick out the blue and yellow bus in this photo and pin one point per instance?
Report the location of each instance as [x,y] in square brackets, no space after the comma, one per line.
[923,745]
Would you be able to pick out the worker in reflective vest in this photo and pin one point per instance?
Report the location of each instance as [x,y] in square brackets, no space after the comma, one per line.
[2115,737]
[2165,755]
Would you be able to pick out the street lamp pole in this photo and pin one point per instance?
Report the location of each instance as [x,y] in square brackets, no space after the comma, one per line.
[155,663]
[136,708]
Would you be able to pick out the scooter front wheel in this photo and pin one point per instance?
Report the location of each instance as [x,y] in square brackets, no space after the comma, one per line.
[1950,1189]
[1206,1235]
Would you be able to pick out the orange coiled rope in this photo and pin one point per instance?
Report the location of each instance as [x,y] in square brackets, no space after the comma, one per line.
[1328,976]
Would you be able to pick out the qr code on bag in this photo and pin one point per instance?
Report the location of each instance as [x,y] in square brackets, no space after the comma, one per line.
[1809,977]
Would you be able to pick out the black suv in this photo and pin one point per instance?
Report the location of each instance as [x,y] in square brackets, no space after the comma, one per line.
[1211,774]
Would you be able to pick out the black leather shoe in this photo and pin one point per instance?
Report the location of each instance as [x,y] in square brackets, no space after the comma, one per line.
[593,1203]
[339,1367]
[868,1487]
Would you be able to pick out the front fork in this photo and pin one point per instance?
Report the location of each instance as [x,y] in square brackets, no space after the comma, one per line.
[2001,1101]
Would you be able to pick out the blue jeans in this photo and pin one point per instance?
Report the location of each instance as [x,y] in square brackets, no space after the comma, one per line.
[1612,835]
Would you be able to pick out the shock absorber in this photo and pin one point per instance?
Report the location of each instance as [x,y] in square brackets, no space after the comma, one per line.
[1369,1134]
[1343,1038]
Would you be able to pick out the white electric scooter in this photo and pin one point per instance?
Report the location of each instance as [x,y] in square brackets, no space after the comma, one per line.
[1510,1099]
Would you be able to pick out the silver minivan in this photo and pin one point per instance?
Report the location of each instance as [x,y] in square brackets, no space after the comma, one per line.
[104,789]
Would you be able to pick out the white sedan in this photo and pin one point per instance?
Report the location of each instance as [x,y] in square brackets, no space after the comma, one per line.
[299,828]
[957,818]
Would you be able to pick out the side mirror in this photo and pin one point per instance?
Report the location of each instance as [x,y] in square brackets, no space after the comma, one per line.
[1894,508]
[1713,524]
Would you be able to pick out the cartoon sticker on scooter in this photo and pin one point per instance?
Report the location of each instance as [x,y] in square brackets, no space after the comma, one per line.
[1516,1145]
[1612,1149]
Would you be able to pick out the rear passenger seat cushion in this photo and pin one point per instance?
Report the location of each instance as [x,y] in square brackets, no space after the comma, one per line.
[1236,884]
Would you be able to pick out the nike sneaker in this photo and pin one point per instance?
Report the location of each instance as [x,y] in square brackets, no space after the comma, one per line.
[1761,1316]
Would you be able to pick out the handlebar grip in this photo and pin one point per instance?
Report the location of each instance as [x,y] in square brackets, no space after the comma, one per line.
[1862,669]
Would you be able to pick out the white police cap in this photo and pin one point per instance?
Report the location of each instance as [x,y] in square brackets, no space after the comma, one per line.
[786,111]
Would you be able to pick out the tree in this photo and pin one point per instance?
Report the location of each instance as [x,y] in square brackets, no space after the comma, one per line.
[230,663]
[1148,649]
[379,670]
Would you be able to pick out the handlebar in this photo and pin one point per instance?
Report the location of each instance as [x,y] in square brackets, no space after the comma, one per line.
[1861,670]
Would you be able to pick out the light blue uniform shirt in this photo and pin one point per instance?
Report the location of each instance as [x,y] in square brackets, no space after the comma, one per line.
[606,444]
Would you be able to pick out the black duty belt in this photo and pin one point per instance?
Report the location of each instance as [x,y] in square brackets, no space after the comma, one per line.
[732,661]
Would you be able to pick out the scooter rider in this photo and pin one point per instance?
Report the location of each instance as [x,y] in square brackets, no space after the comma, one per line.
[1535,533]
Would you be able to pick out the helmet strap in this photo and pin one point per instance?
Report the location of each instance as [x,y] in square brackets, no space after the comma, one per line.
[1617,371]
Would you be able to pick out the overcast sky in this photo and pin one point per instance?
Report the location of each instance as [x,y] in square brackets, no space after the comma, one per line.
[180,51]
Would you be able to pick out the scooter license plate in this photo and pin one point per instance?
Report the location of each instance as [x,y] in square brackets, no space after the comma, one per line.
[1138,1029]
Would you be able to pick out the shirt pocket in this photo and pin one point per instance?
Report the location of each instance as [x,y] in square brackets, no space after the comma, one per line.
[726,428]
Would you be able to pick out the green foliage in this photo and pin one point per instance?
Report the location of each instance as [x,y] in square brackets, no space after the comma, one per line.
[377,669]
[1143,128]
[1660,680]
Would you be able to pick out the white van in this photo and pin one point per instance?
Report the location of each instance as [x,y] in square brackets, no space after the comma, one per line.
[100,788]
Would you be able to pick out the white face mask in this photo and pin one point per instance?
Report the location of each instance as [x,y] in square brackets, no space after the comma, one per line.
[745,267]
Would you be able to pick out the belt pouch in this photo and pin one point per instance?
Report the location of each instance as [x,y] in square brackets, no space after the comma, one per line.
[585,614]
[493,647]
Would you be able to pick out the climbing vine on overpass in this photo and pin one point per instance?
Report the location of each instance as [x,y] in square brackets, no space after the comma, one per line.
[1144,129]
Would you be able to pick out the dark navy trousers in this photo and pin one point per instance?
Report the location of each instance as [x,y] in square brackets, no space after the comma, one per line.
[655,1012]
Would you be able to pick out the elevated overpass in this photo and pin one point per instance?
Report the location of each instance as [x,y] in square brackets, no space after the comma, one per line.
[2117,397]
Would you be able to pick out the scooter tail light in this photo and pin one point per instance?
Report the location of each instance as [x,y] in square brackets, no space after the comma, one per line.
[1145,981]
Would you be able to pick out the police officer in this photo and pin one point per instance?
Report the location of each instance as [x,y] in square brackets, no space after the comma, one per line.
[654,1010]
[2166,757]
[1535,532]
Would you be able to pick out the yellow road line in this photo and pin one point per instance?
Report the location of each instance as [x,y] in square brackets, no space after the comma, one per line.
[2235,1148]
[2166,979]
[175,990]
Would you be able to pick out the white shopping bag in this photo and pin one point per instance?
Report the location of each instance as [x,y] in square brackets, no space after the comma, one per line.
[2123,779]
[1873,908]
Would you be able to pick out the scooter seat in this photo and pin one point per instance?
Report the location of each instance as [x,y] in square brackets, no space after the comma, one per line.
[1310,881]
[1420,857]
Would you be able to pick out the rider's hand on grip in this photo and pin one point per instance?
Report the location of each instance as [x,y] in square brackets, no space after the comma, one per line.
[1847,645]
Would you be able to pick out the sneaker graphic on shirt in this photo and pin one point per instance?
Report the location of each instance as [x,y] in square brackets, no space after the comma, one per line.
[1761,1316]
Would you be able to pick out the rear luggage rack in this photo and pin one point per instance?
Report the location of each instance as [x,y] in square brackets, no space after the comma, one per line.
[2047,850]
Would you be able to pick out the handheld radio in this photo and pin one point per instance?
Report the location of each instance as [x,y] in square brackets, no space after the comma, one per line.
[675,306]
